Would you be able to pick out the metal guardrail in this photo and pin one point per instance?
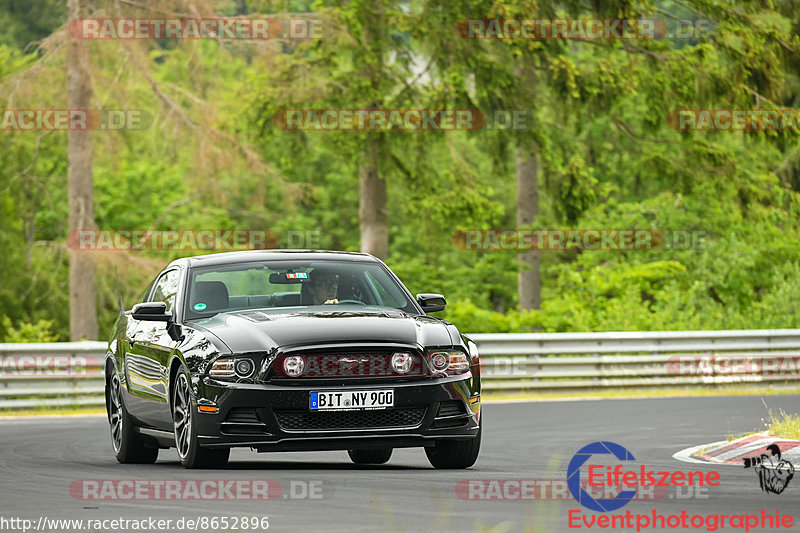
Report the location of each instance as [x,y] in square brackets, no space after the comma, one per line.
[71,374]
[42,375]
[590,362]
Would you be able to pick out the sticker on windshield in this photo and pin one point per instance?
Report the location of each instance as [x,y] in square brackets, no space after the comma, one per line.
[200,306]
[296,275]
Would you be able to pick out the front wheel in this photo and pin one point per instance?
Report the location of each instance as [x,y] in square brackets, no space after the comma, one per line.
[127,444]
[455,453]
[376,456]
[191,454]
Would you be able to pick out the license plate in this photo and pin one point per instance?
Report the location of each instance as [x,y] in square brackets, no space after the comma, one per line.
[357,399]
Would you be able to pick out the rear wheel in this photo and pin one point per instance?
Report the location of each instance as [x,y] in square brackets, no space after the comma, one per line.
[376,456]
[191,454]
[128,445]
[455,453]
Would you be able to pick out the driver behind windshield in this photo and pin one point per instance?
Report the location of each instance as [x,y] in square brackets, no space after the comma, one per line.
[323,286]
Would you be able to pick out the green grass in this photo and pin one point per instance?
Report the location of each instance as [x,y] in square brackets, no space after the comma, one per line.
[701,451]
[54,411]
[777,424]
[732,437]
[783,424]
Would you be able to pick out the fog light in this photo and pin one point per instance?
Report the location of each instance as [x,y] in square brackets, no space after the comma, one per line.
[401,362]
[244,368]
[439,361]
[294,365]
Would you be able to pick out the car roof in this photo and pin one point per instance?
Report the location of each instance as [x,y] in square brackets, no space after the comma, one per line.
[227,258]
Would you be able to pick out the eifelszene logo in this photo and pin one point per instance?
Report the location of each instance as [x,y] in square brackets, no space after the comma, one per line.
[774,473]
[602,505]
[623,476]
[624,473]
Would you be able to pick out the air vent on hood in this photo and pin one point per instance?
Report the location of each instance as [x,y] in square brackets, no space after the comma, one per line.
[256,316]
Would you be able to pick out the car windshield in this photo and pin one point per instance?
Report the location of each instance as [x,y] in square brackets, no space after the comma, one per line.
[303,285]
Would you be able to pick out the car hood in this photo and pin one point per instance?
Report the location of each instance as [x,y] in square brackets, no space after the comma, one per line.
[252,331]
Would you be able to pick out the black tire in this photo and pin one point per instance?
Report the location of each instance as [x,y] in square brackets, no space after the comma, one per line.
[455,453]
[376,456]
[125,441]
[190,453]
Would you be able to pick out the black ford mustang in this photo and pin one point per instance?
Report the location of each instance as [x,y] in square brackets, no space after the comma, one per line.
[289,350]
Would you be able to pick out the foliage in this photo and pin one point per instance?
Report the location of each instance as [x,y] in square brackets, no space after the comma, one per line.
[212,157]
[27,332]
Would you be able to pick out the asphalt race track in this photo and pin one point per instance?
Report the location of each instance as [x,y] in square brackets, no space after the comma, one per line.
[41,458]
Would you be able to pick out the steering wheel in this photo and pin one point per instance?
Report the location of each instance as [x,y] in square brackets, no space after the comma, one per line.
[359,302]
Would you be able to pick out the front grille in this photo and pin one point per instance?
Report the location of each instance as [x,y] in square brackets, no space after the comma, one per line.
[243,421]
[356,363]
[331,420]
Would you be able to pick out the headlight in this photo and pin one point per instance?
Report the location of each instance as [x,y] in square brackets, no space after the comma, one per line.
[244,367]
[294,365]
[229,368]
[440,361]
[449,362]
[222,368]
[402,362]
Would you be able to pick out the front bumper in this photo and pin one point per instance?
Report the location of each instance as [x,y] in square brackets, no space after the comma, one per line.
[276,417]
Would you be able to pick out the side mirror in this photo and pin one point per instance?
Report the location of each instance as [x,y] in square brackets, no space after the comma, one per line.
[431,303]
[152,311]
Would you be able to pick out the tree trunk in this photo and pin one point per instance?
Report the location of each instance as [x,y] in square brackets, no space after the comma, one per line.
[372,215]
[529,284]
[82,296]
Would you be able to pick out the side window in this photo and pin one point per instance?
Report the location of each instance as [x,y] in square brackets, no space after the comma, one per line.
[384,297]
[146,292]
[167,288]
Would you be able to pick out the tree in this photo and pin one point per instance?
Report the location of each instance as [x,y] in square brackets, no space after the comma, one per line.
[529,283]
[373,217]
[363,62]
[82,292]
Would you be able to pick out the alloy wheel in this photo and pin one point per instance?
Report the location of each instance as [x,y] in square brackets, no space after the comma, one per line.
[182,416]
[116,414]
